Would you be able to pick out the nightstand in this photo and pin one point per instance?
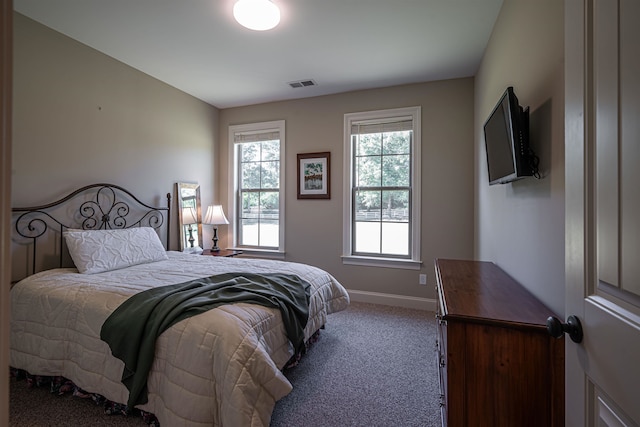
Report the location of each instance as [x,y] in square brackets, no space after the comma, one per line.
[221,252]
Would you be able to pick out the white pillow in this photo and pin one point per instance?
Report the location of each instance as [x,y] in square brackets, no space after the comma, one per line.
[96,251]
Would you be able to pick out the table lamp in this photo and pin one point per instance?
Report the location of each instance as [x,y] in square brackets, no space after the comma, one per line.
[215,216]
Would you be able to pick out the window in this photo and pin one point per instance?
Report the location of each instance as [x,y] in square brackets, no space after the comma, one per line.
[382,188]
[258,194]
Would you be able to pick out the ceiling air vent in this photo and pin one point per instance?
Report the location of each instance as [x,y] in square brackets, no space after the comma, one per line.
[302,83]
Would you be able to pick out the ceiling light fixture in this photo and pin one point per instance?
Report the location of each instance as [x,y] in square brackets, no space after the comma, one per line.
[259,15]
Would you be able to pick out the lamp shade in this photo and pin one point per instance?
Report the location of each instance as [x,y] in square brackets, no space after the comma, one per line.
[188,216]
[215,216]
[259,15]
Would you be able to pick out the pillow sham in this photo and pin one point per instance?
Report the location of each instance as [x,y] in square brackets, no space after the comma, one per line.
[97,251]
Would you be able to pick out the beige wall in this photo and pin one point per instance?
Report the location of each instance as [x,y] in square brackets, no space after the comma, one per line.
[314,227]
[81,117]
[520,226]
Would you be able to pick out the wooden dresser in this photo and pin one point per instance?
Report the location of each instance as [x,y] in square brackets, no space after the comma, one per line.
[498,365]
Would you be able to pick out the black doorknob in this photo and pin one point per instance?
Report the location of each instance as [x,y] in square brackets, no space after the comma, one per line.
[573,327]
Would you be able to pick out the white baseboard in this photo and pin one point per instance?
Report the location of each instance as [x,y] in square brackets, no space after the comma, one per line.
[417,303]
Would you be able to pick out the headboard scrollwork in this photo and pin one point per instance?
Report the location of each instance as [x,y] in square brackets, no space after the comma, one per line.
[93,207]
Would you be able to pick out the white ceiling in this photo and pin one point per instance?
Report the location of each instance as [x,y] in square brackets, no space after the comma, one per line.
[343,45]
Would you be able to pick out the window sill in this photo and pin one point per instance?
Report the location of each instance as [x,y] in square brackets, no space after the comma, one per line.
[260,253]
[407,264]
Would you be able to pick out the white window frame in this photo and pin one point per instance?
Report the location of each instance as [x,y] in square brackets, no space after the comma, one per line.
[262,127]
[414,262]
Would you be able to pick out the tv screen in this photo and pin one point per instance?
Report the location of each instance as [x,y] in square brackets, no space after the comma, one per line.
[506,135]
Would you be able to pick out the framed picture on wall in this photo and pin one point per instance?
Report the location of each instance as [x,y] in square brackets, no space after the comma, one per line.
[314,175]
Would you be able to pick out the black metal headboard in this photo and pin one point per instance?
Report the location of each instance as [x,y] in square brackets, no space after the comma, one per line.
[93,207]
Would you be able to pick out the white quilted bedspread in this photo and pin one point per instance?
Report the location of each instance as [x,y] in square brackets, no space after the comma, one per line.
[222,367]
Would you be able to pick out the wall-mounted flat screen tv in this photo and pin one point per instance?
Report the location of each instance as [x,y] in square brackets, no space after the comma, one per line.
[506,136]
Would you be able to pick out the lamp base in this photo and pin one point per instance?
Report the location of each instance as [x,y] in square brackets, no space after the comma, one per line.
[215,247]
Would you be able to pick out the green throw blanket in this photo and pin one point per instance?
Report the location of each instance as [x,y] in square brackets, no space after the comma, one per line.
[132,329]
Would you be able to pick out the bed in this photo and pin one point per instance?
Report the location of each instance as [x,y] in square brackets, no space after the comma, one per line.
[220,367]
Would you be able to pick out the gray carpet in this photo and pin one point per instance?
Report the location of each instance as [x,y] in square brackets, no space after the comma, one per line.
[372,366]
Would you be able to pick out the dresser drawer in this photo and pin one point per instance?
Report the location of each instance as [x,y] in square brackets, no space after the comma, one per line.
[441,360]
[442,377]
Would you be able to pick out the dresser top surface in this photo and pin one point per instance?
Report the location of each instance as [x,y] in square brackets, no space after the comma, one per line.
[482,291]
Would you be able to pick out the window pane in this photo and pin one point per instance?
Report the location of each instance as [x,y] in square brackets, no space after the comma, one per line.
[368,144]
[395,205]
[250,152]
[397,142]
[271,174]
[395,238]
[270,150]
[250,205]
[368,171]
[250,176]
[269,233]
[367,206]
[396,170]
[248,232]
[367,237]
[269,203]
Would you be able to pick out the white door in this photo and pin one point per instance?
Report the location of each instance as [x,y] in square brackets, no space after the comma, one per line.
[602,158]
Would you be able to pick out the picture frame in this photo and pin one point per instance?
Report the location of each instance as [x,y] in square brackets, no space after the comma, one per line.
[314,175]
